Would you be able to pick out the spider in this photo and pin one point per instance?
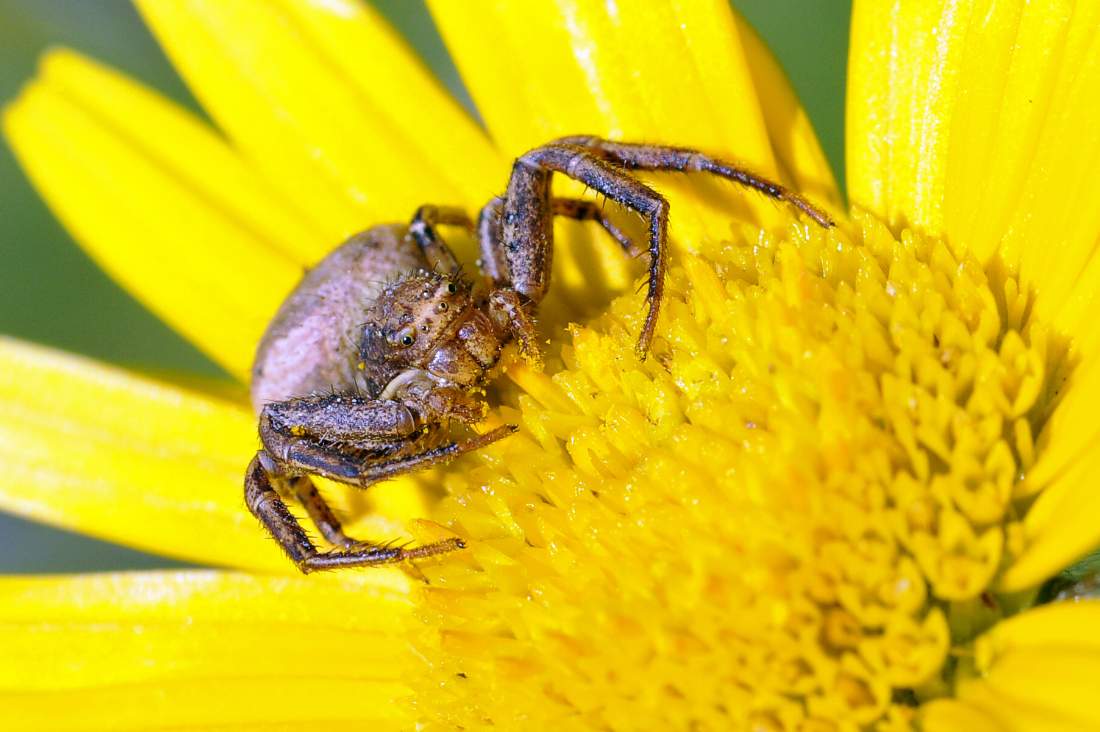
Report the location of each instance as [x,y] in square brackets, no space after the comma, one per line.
[385,344]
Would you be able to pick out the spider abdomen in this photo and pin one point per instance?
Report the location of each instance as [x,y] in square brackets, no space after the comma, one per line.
[310,345]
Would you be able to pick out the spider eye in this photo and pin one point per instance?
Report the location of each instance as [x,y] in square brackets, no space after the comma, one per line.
[404,337]
[452,288]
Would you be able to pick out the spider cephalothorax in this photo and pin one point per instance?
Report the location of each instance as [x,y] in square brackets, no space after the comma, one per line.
[428,322]
[385,344]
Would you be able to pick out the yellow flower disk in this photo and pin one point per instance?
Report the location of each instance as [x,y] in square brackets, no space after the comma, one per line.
[773,520]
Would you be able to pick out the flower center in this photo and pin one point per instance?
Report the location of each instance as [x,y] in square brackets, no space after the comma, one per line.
[785,517]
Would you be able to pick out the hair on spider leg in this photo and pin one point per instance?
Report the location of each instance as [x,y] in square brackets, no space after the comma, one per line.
[395,543]
[357,389]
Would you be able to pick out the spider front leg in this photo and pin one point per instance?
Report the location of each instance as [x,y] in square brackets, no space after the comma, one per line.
[359,441]
[517,231]
[264,502]
[490,232]
[353,440]
[517,236]
[508,307]
[640,156]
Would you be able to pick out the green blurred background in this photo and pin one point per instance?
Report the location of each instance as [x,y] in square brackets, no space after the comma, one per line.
[51,293]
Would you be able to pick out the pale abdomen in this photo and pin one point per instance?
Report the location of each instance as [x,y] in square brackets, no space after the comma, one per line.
[310,345]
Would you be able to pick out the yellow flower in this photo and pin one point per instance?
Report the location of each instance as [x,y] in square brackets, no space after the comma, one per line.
[825,502]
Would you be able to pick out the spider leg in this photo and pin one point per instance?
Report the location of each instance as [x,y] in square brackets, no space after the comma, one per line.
[507,306]
[639,156]
[422,229]
[582,210]
[490,231]
[320,513]
[304,455]
[300,486]
[264,503]
[339,417]
[520,254]
[354,440]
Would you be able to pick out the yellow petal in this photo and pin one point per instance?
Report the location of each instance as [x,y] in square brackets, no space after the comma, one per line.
[967,120]
[1053,217]
[211,705]
[1072,430]
[1061,679]
[329,104]
[630,70]
[891,55]
[794,142]
[191,249]
[949,715]
[668,71]
[372,56]
[97,450]
[1076,314]
[185,146]
[203,648]
[1066,625]
[1019,714]
[1060,527]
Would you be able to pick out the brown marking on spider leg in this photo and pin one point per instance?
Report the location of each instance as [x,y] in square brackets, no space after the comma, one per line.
[490,231]
[422,229]
[302,489]
[373,556]
[528,236]
[297,455]
[342,459]
[506,307]
[372,472]
[350,418]
[322,515]
[581,210]
[638,156]
[526,245]
[327,434]
[266,505]
[339,417]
